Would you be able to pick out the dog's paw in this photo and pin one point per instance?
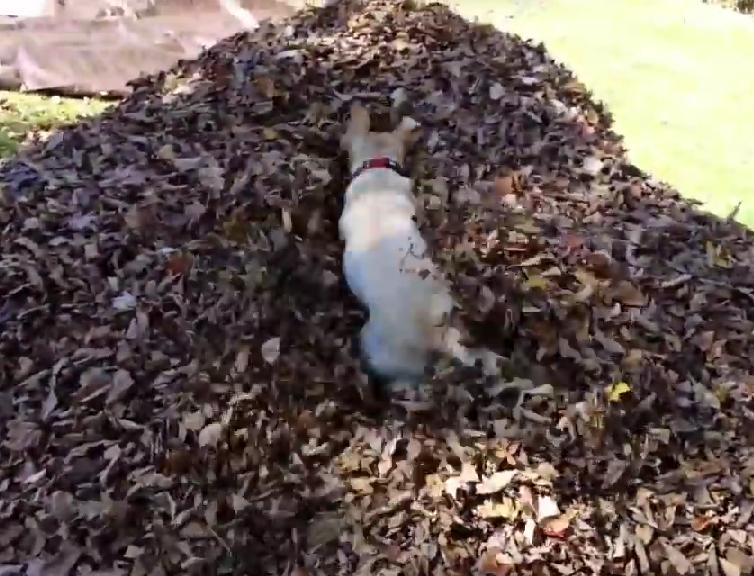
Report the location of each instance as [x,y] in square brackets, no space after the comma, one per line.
[412,395]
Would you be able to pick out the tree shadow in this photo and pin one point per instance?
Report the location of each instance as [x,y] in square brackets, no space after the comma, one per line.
[176,341]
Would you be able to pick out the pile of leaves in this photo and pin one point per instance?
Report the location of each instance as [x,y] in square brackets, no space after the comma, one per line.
[744,6]
[179,385]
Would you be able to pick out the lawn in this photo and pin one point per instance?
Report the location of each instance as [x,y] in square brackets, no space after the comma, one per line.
[22,115]
[678,76]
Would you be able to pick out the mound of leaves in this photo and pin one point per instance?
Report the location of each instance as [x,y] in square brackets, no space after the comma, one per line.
[179,385]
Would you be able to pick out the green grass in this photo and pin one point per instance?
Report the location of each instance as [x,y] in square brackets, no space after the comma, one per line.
[22,115]
[678,76]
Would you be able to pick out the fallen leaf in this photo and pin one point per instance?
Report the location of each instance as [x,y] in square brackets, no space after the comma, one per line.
[324,529]
[546,508]
[497,91]
[266,86]
[210,435]
[124,302]
[505,509]
[700,523]
[615,392]
[729,569]
[180,264]
[496,482]
[363,485]
[121,384]
[62,506]
[468,473]
[194,421]
[271,350]
[555,526]
[676,558]
[194,530]
[489,565]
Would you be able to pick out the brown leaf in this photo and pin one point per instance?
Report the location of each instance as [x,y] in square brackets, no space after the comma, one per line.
[194,421]
[547,508]
[62,506]
[496,482]
[266,86]
[628,294]
[61,565]
[701,523]
[180,264]
[210,435]
[676,558]
[324,529]
[556,526]
[362,485]
[489,565]
[506,509]
[194,530]
[121,384]
[729,569]
[271,350]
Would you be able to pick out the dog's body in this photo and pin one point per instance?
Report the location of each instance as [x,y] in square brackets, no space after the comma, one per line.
[386,268]
[385,261]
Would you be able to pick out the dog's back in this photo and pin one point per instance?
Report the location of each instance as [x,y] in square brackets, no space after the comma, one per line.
[387,268]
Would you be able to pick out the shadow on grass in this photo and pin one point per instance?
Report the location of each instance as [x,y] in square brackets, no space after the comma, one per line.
[153,257]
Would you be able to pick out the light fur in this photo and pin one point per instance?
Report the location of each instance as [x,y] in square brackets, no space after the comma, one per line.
[386,264]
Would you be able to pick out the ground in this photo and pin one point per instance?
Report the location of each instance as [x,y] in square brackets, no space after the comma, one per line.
[671,72]
[180,389]
[677,77]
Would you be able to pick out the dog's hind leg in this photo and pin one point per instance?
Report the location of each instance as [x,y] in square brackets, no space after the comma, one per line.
[387,358]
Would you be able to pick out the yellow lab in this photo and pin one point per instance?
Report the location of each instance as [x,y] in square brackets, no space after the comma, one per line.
[385,261]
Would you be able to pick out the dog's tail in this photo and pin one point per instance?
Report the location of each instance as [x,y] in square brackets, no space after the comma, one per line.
[451,346]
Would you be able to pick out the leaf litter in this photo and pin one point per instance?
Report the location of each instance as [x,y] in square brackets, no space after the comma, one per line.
[179,384]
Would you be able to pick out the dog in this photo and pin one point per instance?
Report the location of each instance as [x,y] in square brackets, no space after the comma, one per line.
[385,260]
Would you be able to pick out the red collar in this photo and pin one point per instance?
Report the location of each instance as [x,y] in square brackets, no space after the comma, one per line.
[378,163]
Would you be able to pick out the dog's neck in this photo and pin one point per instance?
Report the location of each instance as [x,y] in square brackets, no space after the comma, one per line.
[377,163]
[380,182]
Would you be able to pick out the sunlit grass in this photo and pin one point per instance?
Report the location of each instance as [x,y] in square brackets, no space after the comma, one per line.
[22,115]
[678,76]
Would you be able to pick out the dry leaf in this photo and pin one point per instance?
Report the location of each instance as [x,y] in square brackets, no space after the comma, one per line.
[489,565]
[497,91]
[676,558]
[271,350]
[153,259]
[324,529]
[496,482]
[210,435]
[546,508]
[121,384]
[701,523]
[124,302]
[729,569]
[363,485]
[468,473]
[242,359]
[194,421]
[491,509]
[616,391]
[556,526]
